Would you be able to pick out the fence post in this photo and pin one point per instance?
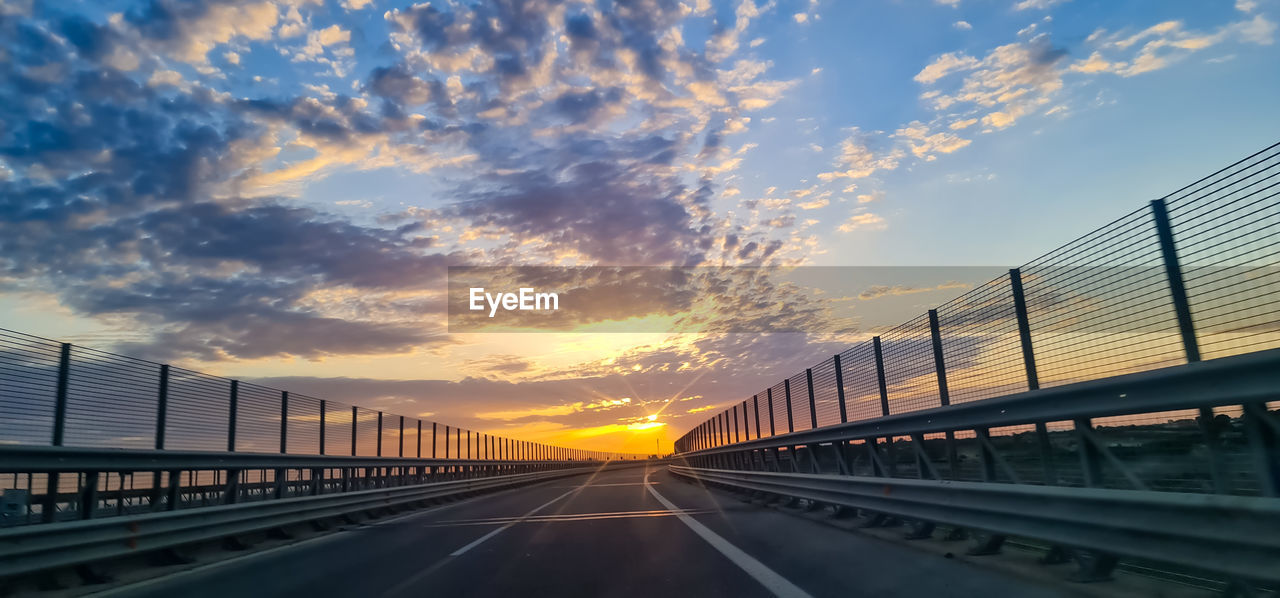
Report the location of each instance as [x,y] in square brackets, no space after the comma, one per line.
[324,411]
[49,510]
[379,433]
[401,436]
[944,395]
[1024,329]
[880,379]
[284,421]
[813,406]
[1190,346]
[419,439]
[434,442]
[769,393]
[939,364]
[232,416]
[1177,289]
[786,389]
[355,419]
[446,441]
[735,424]
[60,403]
[162,406]
[844,412]
[755,402]
[884,402]
[1033,376]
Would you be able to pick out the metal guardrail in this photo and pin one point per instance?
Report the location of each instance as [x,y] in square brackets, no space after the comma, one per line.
[1021,488]
[33,548]
[105,483]
[1238,536]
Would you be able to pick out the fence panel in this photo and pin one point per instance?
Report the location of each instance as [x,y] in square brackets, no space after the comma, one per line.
[909,368]
[1100,306]
[112,400]
[28,387]
[980,344]
[1227,231]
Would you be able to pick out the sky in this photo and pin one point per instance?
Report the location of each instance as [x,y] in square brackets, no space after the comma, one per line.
[274,190]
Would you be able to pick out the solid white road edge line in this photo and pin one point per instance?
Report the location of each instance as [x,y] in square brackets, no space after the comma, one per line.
[767,577]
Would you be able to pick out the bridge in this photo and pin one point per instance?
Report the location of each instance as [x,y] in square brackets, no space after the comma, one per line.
[1102,420]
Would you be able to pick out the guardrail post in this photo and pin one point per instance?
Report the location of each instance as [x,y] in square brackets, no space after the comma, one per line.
[755,405]
[162,406]
[233,415]
[1264,442]
[786,389]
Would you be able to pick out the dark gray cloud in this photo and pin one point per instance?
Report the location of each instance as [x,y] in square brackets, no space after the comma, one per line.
[110,205]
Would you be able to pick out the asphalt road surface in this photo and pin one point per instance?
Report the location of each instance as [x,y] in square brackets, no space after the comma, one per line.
[624,532]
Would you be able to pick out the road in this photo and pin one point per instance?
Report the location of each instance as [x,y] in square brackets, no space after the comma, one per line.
[622,532]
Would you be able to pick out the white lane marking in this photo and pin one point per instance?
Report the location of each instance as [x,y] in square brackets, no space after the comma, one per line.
[332,536]
[608,485]
[565,518]
[758,571]
[481,539]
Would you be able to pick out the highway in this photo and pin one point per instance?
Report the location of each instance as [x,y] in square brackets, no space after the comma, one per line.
[622,532]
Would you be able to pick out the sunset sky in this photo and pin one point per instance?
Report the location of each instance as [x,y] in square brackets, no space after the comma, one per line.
[273,191]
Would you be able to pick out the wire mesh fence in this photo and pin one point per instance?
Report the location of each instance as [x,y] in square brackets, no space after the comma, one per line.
[1192,276]
[60,394]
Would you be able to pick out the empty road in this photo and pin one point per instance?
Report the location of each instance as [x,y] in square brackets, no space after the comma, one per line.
[623,532]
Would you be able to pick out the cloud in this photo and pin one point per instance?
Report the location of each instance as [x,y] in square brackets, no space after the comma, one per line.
[863,221]
[1037,4]
[926,144]
[1163,44]
[1010,82]
[858,160]
[962,25]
